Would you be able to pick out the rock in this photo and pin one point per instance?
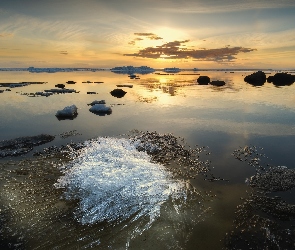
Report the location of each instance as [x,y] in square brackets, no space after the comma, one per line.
[22,145]
[97,102]
[71,82]
[67,112]
[91,93]
[1,90]
[282,79]
[61,86]
[256,79]
[119,93]
[203,80]
[217,83]
[270,79]
[100,108]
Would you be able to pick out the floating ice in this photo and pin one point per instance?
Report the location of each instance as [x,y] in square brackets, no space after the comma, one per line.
[115,182]
[100,108]
[68,111]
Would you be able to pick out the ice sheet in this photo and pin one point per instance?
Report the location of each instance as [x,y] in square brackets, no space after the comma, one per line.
[114,182]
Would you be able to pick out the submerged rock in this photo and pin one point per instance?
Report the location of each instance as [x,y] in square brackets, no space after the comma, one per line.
[60,85]
[22,145]
[203,80]
[119,93]
[67,112]
[256,79]
[218,83]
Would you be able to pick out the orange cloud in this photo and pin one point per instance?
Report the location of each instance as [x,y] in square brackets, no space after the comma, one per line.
[6,35]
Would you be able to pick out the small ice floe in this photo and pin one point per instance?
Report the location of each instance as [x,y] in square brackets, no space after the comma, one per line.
[87,82]
[100,109]
[1,90]
[14,85]
[97,102]
[43,94]
[68,112]
[59,91]
[125,85]
[91,93]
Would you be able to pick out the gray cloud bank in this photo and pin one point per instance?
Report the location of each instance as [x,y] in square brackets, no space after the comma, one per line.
[177,50]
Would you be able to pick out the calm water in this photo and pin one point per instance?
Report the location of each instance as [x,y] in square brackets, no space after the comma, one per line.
[221,119]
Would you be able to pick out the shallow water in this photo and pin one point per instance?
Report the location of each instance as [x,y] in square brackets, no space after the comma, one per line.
[220,119]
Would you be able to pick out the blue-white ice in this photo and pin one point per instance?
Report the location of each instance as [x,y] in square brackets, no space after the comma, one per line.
[115,182]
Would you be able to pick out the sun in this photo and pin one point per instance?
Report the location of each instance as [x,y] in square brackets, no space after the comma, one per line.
[170,34]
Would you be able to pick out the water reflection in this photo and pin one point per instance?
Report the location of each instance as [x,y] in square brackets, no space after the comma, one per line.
[222,118]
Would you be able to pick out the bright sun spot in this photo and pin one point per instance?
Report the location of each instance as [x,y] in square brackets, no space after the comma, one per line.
[170,35]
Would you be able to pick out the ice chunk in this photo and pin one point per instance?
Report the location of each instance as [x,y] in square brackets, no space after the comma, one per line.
[69,111]
[114,182]
[100,108]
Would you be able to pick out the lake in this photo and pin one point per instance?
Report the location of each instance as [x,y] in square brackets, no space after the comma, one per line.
[237,129]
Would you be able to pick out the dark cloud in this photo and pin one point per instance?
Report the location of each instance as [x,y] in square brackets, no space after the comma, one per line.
[178,50]
[144,34]
[63,52]
[133,41]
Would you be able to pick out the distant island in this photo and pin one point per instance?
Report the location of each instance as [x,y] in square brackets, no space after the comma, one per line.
[132,69]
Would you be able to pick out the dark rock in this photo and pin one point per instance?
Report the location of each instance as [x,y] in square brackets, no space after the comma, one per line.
[270,79]
[218,83]
[91,93]
[257,78]
[60,85]
[282,79]
[71,82]
[22,145]
[119,93]
[203,80]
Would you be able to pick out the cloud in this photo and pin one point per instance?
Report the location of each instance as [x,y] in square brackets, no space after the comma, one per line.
[151,36]
[178,50]
[213,6]
[6,35]
[64,52]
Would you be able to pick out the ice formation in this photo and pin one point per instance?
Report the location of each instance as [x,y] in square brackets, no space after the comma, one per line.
[114,182]
[100,108]
[68,111]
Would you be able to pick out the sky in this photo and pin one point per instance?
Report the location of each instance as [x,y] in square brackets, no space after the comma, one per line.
[200,34]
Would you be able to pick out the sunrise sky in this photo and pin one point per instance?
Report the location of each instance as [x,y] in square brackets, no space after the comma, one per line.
[166,33]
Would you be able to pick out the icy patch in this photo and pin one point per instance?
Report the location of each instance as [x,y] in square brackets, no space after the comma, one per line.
[115,182]
[97,108]
[68,111]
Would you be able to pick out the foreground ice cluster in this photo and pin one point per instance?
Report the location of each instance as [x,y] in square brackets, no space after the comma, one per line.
[115,182]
